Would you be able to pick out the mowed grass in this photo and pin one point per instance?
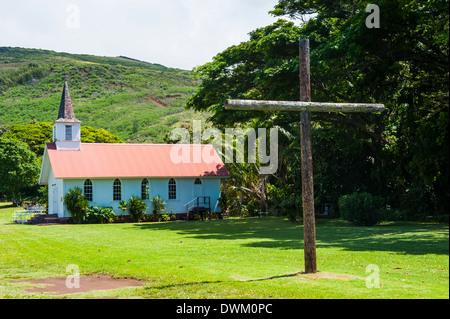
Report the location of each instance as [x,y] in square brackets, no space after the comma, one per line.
[232,258]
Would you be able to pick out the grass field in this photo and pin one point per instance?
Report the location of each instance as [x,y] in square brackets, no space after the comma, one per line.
[233,258]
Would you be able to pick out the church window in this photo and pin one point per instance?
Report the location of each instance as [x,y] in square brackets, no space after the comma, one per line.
[117,190]
[172,189]
[145,189]
[68,132]
[88,190]
[198,181]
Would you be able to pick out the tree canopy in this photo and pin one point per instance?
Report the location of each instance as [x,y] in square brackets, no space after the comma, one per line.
[37,134]
[401,154]
[19,169]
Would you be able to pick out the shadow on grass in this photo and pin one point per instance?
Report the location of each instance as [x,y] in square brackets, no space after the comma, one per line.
[297,275]
[407,238]
[8,205]
[209,282]
[184,284]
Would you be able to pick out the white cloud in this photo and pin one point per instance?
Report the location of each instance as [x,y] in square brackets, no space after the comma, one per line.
[175,33]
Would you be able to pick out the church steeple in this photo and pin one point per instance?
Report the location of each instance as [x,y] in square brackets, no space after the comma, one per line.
[67,129]
[65,107]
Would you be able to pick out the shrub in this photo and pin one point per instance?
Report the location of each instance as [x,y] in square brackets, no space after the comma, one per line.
[43,196]
[237,208]
[292,208]
[166,217]
[418,203]
[123,205]
[76,204]
[362,209]
[99,215]
[159,205]
[223,202]
[137,208]
[253,207]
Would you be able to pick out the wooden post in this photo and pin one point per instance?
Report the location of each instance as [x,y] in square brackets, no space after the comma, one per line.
[309,228]
[305,107]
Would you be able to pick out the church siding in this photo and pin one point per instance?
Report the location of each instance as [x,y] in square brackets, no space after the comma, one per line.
[102,191]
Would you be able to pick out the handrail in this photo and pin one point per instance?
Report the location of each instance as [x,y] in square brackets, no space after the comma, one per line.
[22,216]
[191,201]
[197,203]
[196,198]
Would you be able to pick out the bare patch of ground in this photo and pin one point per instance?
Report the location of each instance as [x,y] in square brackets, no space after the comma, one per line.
[323,275]
[87,283]
[153,99]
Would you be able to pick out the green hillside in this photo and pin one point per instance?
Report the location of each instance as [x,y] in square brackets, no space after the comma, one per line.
[135,100]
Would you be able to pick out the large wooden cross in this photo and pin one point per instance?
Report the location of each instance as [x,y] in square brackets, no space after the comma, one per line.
[305,107]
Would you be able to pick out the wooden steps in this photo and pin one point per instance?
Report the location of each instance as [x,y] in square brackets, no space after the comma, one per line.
[49,219]
[200,212]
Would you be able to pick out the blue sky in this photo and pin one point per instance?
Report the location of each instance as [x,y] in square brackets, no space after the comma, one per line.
[175,33]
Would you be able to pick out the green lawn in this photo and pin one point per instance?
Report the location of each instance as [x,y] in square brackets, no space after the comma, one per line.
[233,258]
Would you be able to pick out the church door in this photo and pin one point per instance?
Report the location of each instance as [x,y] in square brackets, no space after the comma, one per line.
[198,188]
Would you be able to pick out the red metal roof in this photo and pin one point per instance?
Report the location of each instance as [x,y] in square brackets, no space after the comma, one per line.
[97,160]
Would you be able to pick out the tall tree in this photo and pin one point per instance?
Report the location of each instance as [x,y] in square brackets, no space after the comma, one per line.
[19,169]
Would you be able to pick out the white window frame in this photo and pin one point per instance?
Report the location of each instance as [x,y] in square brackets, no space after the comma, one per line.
[115,187]
[145,192]
[172,189]
[88,190]
[69,135]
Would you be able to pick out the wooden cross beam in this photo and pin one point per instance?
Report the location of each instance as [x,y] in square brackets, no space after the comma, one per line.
[305,107]
[257,105]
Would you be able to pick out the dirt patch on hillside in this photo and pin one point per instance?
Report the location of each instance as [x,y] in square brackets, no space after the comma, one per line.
[153,99]
[86,283]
